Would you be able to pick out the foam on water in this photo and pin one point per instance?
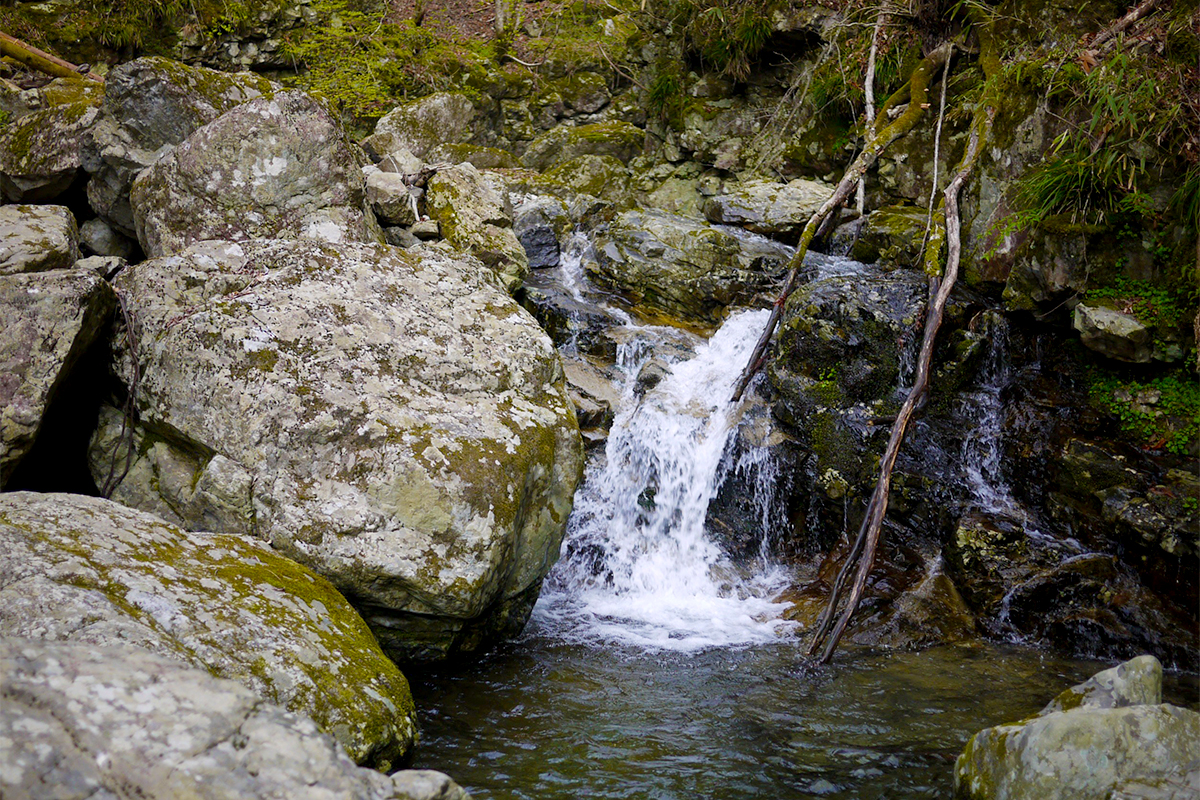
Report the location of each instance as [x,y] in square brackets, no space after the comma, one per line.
[638,566]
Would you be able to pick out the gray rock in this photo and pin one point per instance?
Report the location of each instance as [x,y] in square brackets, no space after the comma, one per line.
[682,266]
[620,140]
[403,422]
[1114,334]
[427,230]
[539,223]
[277,167]
[119,721]
[40,154]
[400,237]
[891,236]
[1087,744]
[151,105]
[774,209]
[392,199]
[90,571]
[423,124]
[479,157]
[50,321]
[37,238]
[99,238]
[474,213]
[102,266]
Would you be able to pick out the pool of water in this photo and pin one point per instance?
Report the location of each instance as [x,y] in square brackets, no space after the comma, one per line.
[544,718]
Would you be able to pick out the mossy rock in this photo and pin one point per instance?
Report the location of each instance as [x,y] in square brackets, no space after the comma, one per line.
[619,140]
[599,176]
[892,236]
[84,569]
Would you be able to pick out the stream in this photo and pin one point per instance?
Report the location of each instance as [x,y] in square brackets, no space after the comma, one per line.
[654,667]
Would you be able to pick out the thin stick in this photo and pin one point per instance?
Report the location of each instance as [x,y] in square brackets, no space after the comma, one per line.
[860,198]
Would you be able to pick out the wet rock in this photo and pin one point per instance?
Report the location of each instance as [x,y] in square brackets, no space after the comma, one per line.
[90,571]
[420,126]
[403,423]
[50,321]
[277,167]
[391,197]
[1113,333]
[774,209]
[151,105]
[40,153]
[683,266]
[539,223]
[37,238]
[1093,739]
[571,322]
[930,612]
[595,394]
[98,238]
[891,236]
[474,213]
[620,140]
[102,722]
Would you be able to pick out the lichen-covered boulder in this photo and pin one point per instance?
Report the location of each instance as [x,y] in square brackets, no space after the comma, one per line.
[40,153]
[596,176]
[87,570]
[50,321]
[620,140]
[391,197]
[387,417]
[277,167]
[474,212]
[476,155]
[421,125]
[1090,741]
[682,266]
[88,722]
[774,209]
[151,105]
[37,238]
[1113,333]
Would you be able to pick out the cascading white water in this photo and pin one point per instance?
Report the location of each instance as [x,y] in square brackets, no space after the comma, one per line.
[638,566]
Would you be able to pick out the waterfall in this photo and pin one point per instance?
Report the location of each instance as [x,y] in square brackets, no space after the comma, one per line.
[638,566]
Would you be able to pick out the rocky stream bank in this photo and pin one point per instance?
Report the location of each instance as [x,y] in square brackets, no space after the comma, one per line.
[283,406]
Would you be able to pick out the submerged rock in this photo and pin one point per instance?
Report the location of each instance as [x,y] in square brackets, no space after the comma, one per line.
[399,424]
[1090,743]
[277,167]
[117,720]
[151,105]
[682,266]
[37,238]
[93,572]
[50,321]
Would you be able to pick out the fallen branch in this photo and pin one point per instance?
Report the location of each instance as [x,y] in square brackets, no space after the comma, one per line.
[42,61]
[916,90]
[1124,22]
[862,555]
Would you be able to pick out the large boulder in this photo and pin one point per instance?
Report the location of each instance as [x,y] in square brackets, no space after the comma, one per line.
[1114,333]
[390,418]
[277,167]
[150,106]
[1090,742]
[37,238]
[767,207]
[91,571]
[80,722]
[620,140]
[420,126]
[475,215]
[685,267]
[50,321]
[40,153]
